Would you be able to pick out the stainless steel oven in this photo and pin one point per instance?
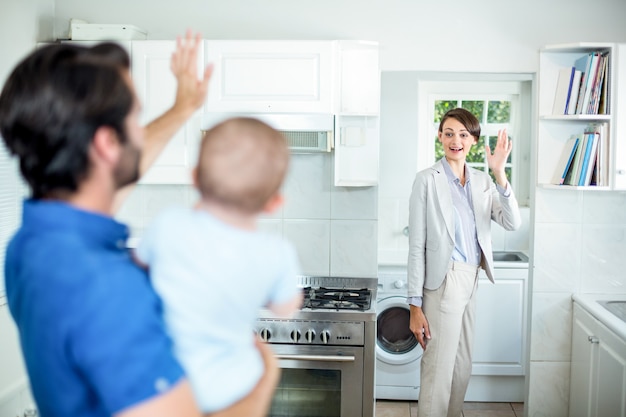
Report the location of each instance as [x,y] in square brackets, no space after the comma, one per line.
[326,351]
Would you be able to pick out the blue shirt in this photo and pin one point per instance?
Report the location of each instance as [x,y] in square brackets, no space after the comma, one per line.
[89,322]
[466,247]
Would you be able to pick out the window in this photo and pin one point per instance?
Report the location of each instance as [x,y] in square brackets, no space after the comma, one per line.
[499,101]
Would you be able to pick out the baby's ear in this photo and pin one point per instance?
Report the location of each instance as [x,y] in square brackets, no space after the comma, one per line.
[274,203]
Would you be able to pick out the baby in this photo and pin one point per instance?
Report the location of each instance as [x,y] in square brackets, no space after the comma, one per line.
[214,270]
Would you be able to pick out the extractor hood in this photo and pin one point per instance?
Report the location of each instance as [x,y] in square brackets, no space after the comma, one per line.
[305,132]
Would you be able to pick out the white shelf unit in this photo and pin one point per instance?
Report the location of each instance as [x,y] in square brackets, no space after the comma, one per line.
[554,130]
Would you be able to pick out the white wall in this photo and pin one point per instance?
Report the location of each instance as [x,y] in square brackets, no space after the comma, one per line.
[22,24]
[452,35]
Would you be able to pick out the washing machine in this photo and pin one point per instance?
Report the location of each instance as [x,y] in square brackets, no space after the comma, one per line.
[398,354]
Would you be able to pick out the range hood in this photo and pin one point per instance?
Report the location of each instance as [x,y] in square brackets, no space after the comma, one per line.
[305,132]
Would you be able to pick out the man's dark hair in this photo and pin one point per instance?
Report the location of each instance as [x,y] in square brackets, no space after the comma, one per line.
[51,106]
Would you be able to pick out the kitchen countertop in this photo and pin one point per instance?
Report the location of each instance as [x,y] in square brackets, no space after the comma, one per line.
[510,265]
[402,268]
[590,303]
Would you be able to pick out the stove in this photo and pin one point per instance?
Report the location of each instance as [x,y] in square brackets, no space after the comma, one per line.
[337,298]
[326,350]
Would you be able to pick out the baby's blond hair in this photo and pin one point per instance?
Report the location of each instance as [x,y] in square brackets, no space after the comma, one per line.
[242,164]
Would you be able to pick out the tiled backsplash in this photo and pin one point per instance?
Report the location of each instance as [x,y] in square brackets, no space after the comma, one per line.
[579,246]
[394,244]
[334,229]
[580,242]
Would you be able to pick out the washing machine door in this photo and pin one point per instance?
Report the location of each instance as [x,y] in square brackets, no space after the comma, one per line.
[395,343]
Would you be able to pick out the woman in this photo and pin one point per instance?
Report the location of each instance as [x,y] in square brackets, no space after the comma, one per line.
[450,213]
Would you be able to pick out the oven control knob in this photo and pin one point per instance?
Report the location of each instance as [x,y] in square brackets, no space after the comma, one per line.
[309,335]
[266,335]
[295,336]
[325,336]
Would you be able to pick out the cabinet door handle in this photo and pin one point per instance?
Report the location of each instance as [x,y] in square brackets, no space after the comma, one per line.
[593,339]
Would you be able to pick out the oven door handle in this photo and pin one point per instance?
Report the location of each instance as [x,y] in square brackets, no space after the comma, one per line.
[318,358]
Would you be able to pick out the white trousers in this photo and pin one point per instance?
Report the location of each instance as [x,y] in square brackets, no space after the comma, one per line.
[447,360]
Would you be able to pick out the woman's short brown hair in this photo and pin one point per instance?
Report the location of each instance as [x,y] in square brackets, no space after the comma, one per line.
[464,117]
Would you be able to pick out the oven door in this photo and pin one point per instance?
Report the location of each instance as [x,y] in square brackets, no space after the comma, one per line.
[322,381]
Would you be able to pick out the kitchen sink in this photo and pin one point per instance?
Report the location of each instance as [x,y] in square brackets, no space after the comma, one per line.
[618,308]
[505,256]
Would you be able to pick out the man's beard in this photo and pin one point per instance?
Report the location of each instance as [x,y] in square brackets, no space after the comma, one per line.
[127,169]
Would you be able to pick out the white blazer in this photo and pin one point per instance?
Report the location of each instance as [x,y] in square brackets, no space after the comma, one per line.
[431,224]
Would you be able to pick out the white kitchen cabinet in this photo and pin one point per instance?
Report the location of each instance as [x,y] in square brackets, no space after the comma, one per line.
[357,132]
[156,88]
[500,328]
[499,352]
[620,117]
[265,77]
[598,369]
[359,79]
[270,76]
[555,130]
[356,151]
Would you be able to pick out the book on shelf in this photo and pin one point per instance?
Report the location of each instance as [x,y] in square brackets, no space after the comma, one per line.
[563,90]
[589,158]
[584,159]
[596,91]
[565,162]
[602,155]
[573,97]
[592,94]
[574,173]
[605,94]
[583,65]
[589,82]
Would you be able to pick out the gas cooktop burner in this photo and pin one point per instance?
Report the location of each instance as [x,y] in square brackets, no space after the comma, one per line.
[337,298]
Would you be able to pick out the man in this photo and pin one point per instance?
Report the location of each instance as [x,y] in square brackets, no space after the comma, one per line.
[90,324]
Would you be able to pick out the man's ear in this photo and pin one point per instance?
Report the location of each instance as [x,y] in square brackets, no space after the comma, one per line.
[274,203]
[194,178]
[106,145]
